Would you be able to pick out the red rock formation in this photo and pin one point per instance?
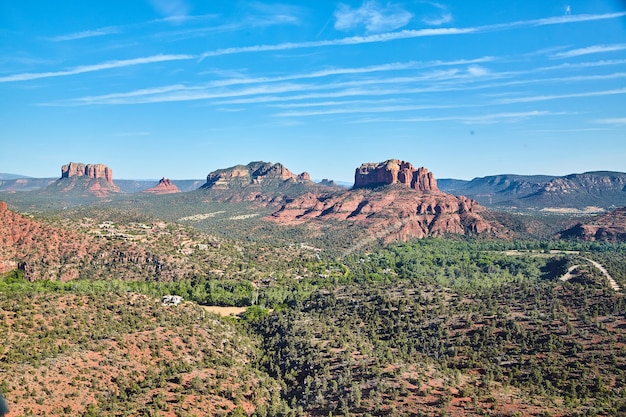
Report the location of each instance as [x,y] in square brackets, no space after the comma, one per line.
[304,177]
[165,186]
[100,178]
[394,171]
[74,169]
[415,208]
[393,214]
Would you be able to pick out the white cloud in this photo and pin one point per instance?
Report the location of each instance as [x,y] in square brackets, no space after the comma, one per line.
[210,90]
[354,40]
[342,109]
[480,119]
[441,16]
[477,71]
[619,121]
[409,34]
[372,16]
[437,21]
[595,49]
[92,68]
[109,30]
[562,96]
[131,134]
[172,9]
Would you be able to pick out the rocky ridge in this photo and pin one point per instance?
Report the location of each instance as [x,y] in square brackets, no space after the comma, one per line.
[254,173]
[604,189]
[406,204]
[165,186]
[264,183]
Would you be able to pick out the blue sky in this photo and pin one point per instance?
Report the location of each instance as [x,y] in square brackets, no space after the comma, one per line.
[179,88]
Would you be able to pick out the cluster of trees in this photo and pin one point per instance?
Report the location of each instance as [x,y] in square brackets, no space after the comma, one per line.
[366,334]
[548,341]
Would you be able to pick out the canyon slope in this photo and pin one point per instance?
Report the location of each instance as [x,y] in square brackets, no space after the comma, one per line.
[393,201]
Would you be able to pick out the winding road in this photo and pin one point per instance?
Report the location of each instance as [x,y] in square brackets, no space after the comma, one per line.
[568,275]
[612,283]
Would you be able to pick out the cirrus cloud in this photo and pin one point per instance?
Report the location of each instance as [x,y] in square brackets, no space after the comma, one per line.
[372,16]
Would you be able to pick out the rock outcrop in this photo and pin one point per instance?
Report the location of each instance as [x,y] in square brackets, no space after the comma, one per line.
[255,173]
[74,169]
[165,186]
[85,179]
[394,171]
[410,206]
[609,227]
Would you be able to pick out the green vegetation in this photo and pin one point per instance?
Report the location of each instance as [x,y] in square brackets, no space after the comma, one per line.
[336,323]
[371,333]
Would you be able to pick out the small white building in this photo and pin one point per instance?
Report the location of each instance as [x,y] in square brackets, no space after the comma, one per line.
[171,300]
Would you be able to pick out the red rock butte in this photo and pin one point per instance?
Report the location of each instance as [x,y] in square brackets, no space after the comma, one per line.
[394,171]
[77,169]
[165,186]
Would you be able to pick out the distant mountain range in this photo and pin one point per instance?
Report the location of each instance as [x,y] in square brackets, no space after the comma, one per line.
[591,191]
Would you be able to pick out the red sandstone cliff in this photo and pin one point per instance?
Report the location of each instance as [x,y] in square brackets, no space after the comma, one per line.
[98,179]
[394,171]
[74,169]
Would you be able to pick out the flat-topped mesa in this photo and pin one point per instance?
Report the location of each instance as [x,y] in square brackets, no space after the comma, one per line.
[394,171]
[255,173]
[77,169]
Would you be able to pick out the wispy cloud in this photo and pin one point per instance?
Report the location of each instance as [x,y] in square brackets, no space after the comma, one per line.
[261,13]
[175,10]
[216,89]
[132,134]
[595,49]
[477,70]
[491,118]
[409,34]
[109,30]
[441,16]
[618,121]
[558,20]
[372,16]
[356,110]
[353,40]
[92,68]
[562,96]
